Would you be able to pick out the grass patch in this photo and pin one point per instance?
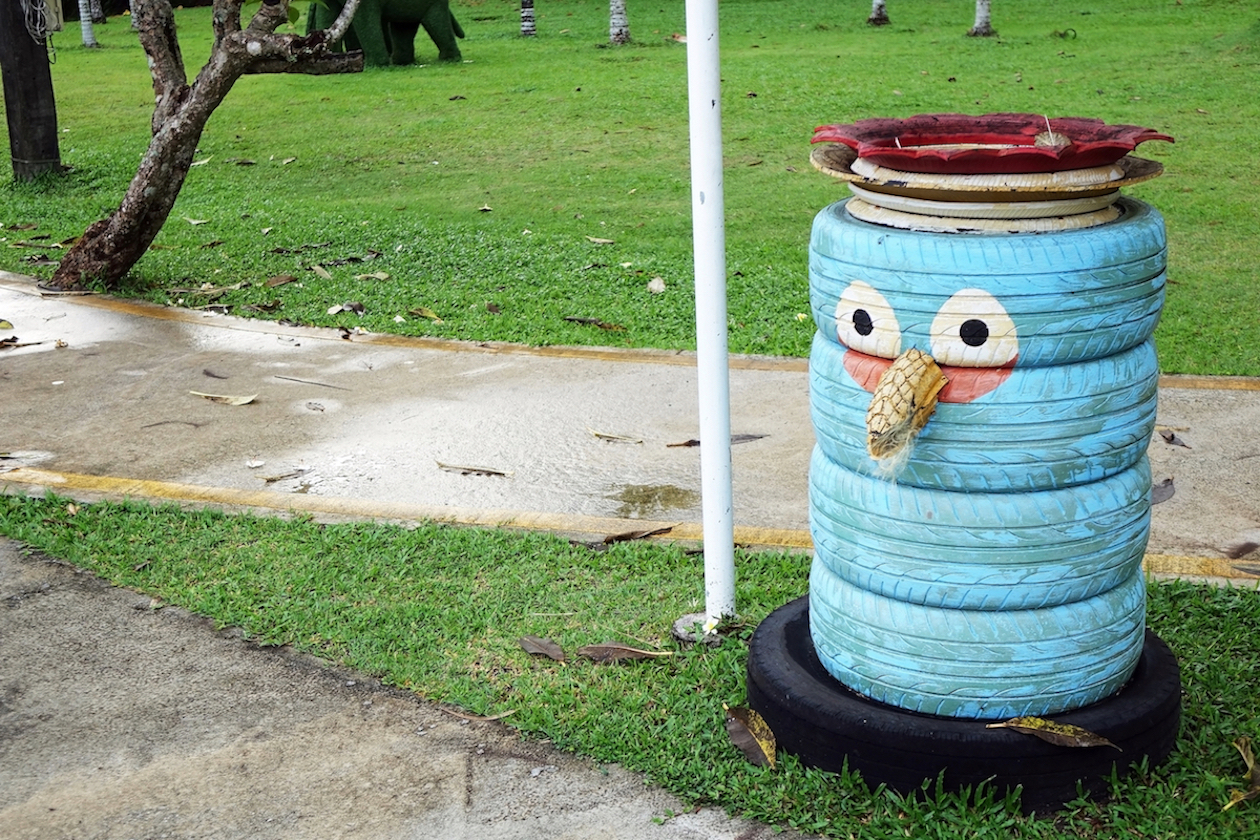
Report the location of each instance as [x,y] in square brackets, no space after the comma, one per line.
[438,610]
[566,139]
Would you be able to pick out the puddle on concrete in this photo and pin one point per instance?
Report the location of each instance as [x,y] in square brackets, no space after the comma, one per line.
[645,501]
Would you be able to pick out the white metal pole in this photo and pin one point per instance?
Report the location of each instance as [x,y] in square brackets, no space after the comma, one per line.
[709,248]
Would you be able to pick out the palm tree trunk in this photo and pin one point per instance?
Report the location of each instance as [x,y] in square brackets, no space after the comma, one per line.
[85,24]
[527,18]
[879,14]
[618,23]
[984,26]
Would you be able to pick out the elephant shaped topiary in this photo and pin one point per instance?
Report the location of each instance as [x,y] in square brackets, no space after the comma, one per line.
[386,29]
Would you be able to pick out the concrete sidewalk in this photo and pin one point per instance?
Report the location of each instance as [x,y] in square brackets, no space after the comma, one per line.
[119,720]
[574,440]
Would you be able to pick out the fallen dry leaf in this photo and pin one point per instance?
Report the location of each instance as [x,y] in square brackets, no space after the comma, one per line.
[1163,491]
[595,240]
[272,479]
[425,312]
[226,399]
[321,271]
[280,280]
[750,733]
[1061,734]
[734,440]
[1243,745]
[595,322]
[1170,437]
[656,285]
[542,647]
[195,221]
[615,652]
[629,536]
[614,438]
[375,275]
[472,470]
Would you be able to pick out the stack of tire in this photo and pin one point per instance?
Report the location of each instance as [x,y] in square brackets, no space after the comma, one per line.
[996,572]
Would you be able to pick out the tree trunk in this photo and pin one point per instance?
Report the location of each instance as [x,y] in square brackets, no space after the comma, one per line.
[879,14]
[618,23]
[29,106]
[983,27]
[109,248]
[85,24]
[98,12]
[527,18]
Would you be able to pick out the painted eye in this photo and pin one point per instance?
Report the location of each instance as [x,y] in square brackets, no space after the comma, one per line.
[865,322]
[973,330]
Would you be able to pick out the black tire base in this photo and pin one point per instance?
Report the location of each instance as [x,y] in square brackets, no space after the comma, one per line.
[829,726]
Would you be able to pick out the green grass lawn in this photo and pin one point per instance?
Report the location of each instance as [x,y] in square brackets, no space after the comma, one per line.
[439,610]
[477,188]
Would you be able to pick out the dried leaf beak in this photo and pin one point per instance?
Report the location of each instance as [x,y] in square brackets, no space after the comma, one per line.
[904,400]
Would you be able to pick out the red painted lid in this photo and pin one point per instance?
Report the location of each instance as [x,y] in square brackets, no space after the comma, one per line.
[987,144]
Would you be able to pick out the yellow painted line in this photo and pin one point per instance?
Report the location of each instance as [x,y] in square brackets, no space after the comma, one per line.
[593,526]
[1211,383]
[1176,565]
[1160,565]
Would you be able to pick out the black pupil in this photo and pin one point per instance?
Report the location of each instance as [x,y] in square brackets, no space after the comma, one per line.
[974,332]
[862,322]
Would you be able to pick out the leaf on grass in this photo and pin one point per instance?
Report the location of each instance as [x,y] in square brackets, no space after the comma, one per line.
[23,226]
[375,275]
[214,243]
[1243,745]
[595,322]
[425,312]
[1170,437]
[226,399]
[615,652]
[195,221]
[750,733]
[595,240]
[628,536]
[1061,734]
[275,305]
[542,647]
[493,309]
[321,271]
[288,160]
[201,162]
[656,285]
[1163,491]
[615,438]
[455,468]
[280,280]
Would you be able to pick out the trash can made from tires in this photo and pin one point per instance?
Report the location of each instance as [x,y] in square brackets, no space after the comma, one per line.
[990,566]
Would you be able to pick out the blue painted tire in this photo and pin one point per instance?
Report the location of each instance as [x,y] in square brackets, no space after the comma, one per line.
[1073,295]
[977,664]
[979,551]
[1043,428]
